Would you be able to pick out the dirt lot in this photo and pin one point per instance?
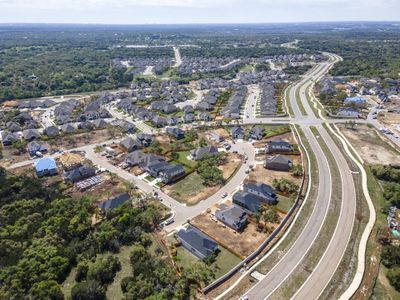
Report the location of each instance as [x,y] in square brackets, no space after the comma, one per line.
[10,156]
[106,189]
[222,132]
[260,174]
[288,137]
[242,244]
[390,120]
[234,161]
[370,145]
[82,139]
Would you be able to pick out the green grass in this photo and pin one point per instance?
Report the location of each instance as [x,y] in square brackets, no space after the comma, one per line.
[183,159]
[188,187]
[247,68]
[114,289]
[224,261]
[149,178]
[299,103]
[284,203]
[287,102]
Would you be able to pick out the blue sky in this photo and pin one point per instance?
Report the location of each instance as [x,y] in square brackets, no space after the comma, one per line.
[195,11]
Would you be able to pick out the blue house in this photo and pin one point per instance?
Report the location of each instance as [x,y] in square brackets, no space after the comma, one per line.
[355,100]
[46,167]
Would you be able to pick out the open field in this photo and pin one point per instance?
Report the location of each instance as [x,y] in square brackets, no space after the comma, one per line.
[225,260]
[370,145]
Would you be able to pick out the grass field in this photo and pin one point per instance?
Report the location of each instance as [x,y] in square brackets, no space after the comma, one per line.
[224,262]
[183,159]
[284,203]
[189,186]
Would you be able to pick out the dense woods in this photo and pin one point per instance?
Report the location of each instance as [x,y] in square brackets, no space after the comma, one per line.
[43,234]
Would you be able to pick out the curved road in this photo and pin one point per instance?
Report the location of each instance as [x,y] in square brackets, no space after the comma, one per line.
[323,272]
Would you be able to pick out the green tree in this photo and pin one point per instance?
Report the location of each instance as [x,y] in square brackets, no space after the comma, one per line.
[46,290]
[88,290]
[394,277]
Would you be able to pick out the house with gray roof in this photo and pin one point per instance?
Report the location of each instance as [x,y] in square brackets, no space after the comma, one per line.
[204,116]
[135,158]
[196,242]
[8,138]
[237,132]
[278,147]
[131,144]
[188,118]
[232,216]
[99,123]
[68,128]
[171,173]
[248,201]
[178,133]
[264,191]
[169,109]
[35,148]
[145,139]
[79,173]
[30,134]
[278,163]
[13,127]
[256,133]
[113,202]
[51,131]
[199,153]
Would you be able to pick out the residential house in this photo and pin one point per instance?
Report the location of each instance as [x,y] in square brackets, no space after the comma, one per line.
[264,191]
[51,131]
[37,148]
[171,173]
[135,158]
[46,167]
[178,133]
[188,118]
[30,134]
[204,116]
[199,153]
[358,101]
[232,216]
[278,163]
[171,121]
[278,147]
[145,139]
[196,242]
[99,123]
[159,121]
[237,132]
[131,144]
[8,138]
[188,109]
[256,133]
[13,127]
[169,109]
[113,202]
[68,128]
[347,112]
[248,201]
[79,173]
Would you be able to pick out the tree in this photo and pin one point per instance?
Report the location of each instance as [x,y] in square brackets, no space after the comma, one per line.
[270,215]
[297,170]
[394,277]
[88,290]
[103,270]
[49,289]
[391,256]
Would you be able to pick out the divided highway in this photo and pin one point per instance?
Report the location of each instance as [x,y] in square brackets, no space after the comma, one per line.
[328,263]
